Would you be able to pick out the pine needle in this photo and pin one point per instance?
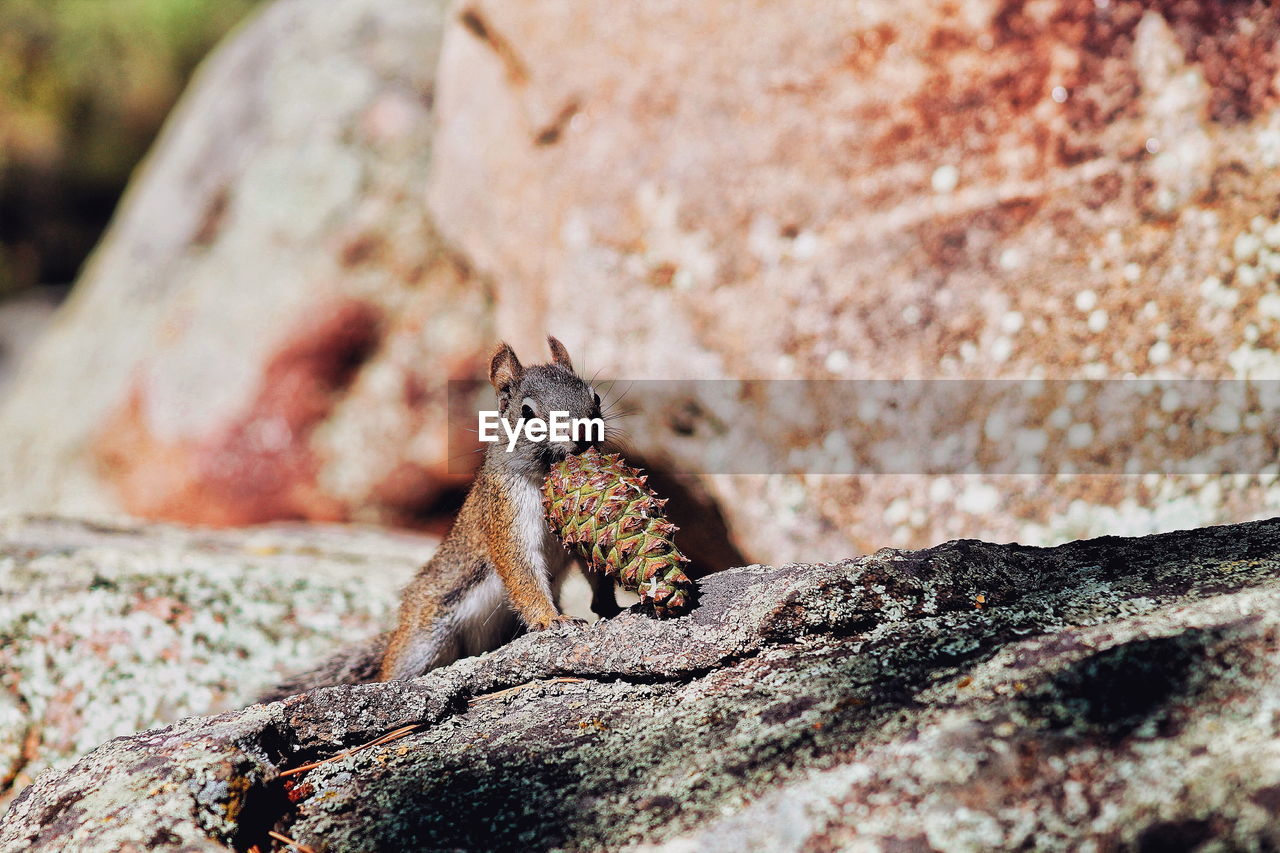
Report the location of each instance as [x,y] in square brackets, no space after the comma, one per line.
[289,842]
[387,738]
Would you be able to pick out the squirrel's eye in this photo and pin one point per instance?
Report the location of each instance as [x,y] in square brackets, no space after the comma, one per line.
[526,413]
[597,396]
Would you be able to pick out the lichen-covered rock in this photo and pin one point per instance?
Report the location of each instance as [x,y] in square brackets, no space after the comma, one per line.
[1114,693]
[106,629]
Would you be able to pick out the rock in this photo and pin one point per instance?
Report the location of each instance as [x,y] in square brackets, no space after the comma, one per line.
[1118,693]
[269,327]
[331,228]
[22,319]
[908,190]
[106,629]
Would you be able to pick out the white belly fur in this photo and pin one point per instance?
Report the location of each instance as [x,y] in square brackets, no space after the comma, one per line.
[484,621]
[484,617]
[545,552]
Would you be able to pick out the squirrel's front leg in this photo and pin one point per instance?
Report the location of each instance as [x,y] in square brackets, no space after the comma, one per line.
[517,538]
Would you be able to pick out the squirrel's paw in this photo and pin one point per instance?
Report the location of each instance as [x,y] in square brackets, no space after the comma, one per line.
[561,623]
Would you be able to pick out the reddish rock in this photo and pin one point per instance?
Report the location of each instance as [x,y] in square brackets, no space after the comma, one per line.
[683,190]
[269,329]
[967,190]
[258,466]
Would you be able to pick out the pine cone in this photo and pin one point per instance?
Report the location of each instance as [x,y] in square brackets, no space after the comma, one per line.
[600,507]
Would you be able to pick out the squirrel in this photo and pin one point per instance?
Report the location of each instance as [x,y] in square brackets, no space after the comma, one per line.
[500,563]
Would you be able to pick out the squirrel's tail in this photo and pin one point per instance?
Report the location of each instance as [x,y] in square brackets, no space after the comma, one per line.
[355,664]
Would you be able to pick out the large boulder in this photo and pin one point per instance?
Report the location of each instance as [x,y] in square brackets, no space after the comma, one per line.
[881,190]
[358,197]
[268,328]
[1114,693]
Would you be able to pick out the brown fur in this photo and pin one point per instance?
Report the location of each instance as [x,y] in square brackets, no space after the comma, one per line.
[453,608]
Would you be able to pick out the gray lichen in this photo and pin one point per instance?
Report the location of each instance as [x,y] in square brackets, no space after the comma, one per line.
[1110,693]
[106,630]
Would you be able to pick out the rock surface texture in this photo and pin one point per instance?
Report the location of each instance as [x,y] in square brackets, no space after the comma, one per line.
[106,629]
[1115,692]
[358,197]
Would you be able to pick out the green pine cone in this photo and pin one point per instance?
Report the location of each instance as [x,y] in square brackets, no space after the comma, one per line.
[600,507]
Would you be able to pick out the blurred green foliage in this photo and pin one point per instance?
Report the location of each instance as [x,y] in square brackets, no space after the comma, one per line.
[84,87]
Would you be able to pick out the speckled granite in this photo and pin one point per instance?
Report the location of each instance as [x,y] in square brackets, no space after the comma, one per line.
[108,628]
[1113,693]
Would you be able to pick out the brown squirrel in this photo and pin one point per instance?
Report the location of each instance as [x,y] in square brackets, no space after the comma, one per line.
[499,564]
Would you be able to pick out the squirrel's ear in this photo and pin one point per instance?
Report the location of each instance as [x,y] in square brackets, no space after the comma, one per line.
[559,355]
[504,368]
